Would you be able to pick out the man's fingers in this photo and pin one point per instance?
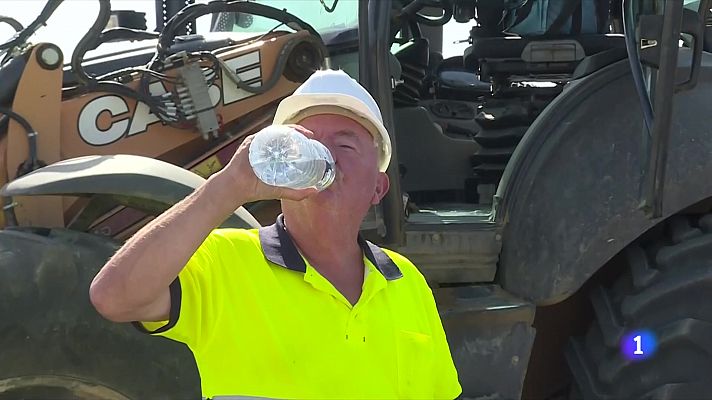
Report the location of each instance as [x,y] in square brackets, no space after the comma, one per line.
[306,132]
[304,193]
[298,194]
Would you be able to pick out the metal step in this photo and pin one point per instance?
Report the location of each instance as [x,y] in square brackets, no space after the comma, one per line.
[489,173]
[488,329]
[505,137]
[493,155]
[453,246]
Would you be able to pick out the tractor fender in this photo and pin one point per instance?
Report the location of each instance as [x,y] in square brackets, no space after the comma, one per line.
[140,182]
[569,198]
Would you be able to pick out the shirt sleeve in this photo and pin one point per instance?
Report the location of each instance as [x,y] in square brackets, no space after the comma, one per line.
[192,298]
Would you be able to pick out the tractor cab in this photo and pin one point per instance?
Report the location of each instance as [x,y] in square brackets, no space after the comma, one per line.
[471,110]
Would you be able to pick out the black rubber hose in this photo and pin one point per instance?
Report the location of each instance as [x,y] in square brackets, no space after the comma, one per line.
[31,134]
[18,118]
[122,34]
[41,20]
[89,41]
[195,10]
[15,24]
[281,63]
[332,8]
[635,65]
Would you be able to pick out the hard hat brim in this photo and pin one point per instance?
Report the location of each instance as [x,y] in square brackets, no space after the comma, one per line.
[297,107]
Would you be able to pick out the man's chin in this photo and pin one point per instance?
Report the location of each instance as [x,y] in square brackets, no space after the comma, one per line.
[330,198]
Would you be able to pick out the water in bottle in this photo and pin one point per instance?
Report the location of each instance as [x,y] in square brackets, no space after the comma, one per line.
[282,156]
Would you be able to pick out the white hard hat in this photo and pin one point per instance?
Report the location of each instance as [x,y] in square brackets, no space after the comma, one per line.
[335,92]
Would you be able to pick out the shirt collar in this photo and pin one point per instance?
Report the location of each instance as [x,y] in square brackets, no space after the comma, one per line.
[279,248]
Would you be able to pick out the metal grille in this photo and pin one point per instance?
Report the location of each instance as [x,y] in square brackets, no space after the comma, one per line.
[166,9]
[224,23]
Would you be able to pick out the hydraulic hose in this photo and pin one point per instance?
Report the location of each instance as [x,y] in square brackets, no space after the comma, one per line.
[195,10]
[15,24]
[277,72]
[41,20]
[89,41]
[32,163]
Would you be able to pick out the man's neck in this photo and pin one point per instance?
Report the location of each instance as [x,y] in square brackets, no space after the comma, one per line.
[328,238]
[328,243]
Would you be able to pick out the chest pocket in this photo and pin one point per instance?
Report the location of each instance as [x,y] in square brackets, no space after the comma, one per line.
[415,361]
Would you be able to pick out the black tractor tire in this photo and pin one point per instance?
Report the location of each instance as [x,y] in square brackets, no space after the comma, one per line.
[53,344]
[667,290]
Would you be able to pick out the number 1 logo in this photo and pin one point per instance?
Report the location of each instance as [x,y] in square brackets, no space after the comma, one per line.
[638,345]
[638,349]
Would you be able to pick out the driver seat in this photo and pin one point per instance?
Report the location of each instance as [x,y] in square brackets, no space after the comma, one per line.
[516,55]
[553,37]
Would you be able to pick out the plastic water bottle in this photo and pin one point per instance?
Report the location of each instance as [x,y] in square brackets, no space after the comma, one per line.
[282,156]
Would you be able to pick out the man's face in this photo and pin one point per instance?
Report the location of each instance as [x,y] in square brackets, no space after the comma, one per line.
[358,183]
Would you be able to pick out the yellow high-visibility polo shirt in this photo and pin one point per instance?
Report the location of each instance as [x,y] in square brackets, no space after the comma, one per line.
[261,321]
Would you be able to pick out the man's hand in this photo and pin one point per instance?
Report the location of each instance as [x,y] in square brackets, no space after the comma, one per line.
[246,187]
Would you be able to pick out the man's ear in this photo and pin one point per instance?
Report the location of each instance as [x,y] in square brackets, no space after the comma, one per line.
[382,185]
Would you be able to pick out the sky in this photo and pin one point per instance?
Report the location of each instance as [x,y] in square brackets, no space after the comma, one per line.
[72,19]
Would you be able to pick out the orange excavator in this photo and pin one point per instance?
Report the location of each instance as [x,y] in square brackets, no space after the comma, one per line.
[93,148]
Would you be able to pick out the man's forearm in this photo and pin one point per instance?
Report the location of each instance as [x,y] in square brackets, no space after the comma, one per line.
[153,257]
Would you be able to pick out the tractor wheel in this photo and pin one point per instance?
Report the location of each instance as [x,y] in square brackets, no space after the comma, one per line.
[55,345]
[668,291]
